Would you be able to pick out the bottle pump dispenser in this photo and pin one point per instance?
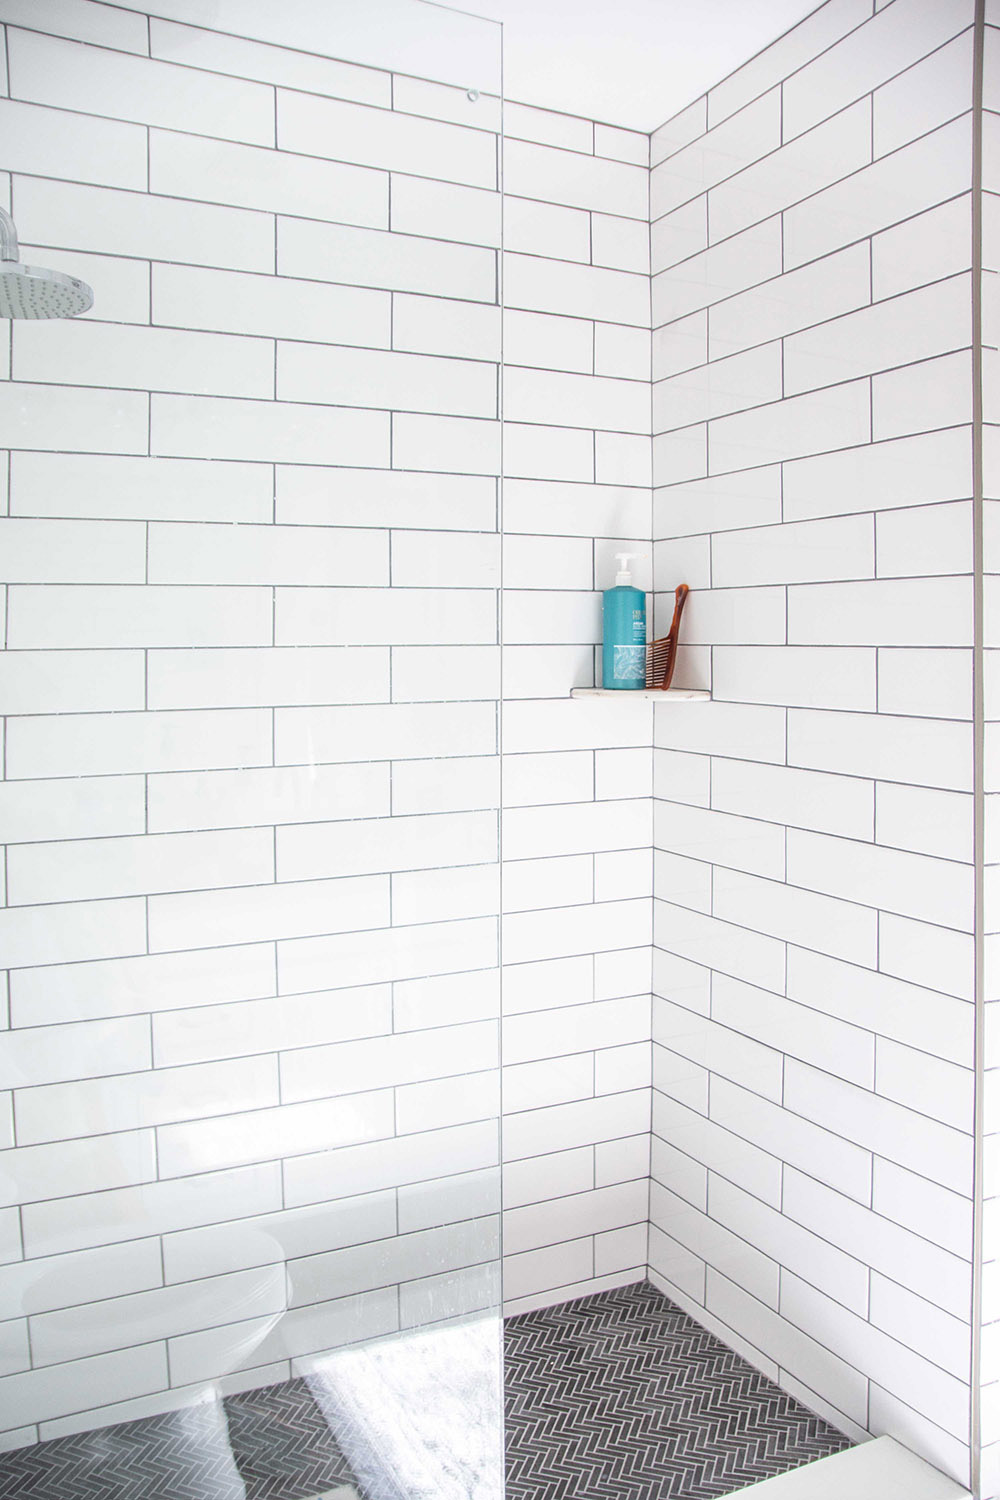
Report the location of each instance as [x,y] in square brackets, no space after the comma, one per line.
[624,656]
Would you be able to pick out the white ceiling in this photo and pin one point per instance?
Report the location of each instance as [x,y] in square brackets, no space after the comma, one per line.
[629,62]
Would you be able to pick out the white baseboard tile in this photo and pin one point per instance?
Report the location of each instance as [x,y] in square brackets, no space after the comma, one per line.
[880,1470]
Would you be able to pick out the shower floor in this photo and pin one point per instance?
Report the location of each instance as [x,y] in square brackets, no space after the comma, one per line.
[623,1395]
[620,1395]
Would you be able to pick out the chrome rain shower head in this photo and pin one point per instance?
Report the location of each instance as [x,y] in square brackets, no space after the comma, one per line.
[30,291]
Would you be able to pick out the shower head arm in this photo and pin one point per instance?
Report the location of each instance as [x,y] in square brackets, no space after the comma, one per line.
[8,237]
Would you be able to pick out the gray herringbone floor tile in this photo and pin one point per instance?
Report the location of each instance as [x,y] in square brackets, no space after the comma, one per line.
[622,1395]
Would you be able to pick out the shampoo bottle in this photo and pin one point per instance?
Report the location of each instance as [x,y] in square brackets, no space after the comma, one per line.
[624,630]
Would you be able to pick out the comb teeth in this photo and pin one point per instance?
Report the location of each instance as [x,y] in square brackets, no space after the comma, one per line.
[661,655]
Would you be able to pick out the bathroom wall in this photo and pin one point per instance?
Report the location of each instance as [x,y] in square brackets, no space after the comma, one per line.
[252,687]
[813,964]
[577,827]
[251,681]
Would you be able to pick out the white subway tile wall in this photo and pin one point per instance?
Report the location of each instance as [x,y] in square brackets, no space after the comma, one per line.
[813,877]
[577,872]
[253,735]
[250,795]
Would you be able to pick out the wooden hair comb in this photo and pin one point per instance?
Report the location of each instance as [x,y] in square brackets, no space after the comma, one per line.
[661,655]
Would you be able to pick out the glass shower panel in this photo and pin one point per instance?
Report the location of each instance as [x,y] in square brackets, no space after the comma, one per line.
[249,1232]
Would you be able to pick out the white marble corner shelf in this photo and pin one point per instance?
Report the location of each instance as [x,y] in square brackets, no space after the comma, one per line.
[672,695]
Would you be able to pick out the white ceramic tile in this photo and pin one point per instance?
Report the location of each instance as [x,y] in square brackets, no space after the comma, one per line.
[222,53]
[935,393]
[155,1208]
[810,38]
[621,351]
[623,243]
[110,355]
[144,488]
[291,909]
[148,226]
[549,229]
[394,954]
[938,1151]
[678,131]
[717,1244]
[191,426]
[33,810]
[65,934]
[454,444]
[799,676]
[549,343]
[44,1393]
[54,72]
[792,428]
[445,211]
[108,26]
[732,949]
[436,325]
[345,377]
[271,306]
[99,744]
[621,145]
[439,101]
[119,1160]
[928,540]
[835,804]
[560,453]
[549,128]
[570,1030]
[381,138]
[890,45]
[893,748]
[576,291]
[568,510]
[936,167]
[932,1212]
[574,179]
[576,400]
[926,248]
[927,94]
[133,866]
[604,927]
[43,143]
[910,327]
[798,170]
[715,274]
[317,496]
[929,1085]
[889,1006]
[882,612]
[749,134]
[49,551]
[268,676]
[886,475]
[840,1163]
[94,421]
[919,1382]
[369,258]
[925,820]
[725,385]
[136,615]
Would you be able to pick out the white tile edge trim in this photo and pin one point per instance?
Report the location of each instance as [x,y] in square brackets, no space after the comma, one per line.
[880,1470]
[689,694]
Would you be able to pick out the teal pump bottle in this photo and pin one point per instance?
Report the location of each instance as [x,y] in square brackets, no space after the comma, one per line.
[624,630]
